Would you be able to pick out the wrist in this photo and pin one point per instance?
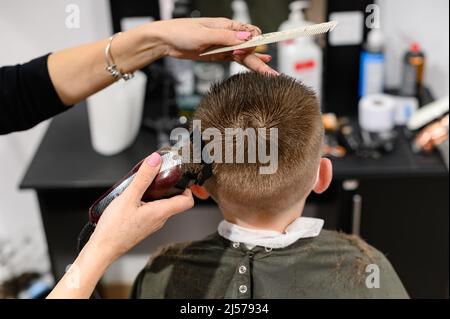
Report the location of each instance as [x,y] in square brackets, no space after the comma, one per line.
[154,32]
[99,254]
[137,48]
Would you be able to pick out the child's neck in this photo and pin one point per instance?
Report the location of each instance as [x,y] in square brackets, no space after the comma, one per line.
[277,222]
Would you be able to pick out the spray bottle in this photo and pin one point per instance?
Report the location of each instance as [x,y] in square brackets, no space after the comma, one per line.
[371,70]
[300,58]
[413,69]
[241,14]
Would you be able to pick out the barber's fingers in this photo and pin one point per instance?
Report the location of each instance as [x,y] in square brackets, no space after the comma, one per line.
[224,32]
[266,58]
[254,61]
[144,176]
[257,63]
[223,37]
[224,23]
[165,208]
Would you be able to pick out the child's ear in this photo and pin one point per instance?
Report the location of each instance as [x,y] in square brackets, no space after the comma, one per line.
[199,191]
[324,177]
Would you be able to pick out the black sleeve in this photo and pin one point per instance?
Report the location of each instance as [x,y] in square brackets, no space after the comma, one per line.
[27,96]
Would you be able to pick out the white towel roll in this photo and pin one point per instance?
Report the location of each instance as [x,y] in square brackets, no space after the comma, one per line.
[377,113]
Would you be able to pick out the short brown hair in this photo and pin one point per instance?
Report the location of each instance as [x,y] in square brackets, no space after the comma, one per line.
[252,100]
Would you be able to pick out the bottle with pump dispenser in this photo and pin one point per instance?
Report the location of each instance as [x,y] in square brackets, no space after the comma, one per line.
[300,58]
[241,14]
[371,70]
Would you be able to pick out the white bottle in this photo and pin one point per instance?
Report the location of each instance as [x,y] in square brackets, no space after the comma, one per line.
[241,14]
[300,58]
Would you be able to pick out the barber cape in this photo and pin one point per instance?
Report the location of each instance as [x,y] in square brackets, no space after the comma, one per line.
[303,262]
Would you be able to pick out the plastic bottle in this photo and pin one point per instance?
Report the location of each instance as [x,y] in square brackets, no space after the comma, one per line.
[413,68]
[241,14]
[371,70]
[300,58]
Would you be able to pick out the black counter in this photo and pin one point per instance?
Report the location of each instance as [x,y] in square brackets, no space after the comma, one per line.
[66,159]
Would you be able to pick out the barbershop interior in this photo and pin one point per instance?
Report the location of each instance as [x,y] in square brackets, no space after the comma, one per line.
[379,70]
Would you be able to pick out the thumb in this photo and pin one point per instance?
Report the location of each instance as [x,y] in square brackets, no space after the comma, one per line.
[144,176]
[228,37]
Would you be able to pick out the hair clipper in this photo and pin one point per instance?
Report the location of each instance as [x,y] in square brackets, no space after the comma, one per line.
[171,180]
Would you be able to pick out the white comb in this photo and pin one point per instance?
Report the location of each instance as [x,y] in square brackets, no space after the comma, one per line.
[279,36]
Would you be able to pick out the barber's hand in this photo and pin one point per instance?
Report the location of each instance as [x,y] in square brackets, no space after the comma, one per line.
[127,220]
[187,38]
[124,223]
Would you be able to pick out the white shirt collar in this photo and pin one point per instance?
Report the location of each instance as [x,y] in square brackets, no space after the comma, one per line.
[302,227]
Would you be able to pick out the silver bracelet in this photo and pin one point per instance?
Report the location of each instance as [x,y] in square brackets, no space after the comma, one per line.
[112,67]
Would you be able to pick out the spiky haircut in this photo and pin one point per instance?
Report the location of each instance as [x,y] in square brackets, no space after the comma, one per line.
[252,100]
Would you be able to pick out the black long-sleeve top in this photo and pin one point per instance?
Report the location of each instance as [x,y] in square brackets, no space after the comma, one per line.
[27,96]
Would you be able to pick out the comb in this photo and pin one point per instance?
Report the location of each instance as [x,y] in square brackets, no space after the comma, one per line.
[273,37]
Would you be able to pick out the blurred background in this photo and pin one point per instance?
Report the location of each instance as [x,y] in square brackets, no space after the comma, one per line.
[382,77]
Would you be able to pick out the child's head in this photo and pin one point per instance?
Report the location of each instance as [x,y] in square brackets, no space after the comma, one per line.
[252,100]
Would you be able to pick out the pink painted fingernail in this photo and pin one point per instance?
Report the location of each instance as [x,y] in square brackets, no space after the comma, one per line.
[154,159]
[243,35]
[239,52]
